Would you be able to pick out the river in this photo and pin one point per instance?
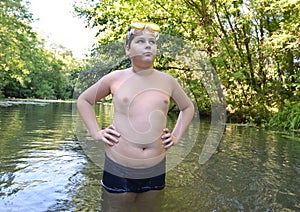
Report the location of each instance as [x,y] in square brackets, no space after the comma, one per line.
[44,166]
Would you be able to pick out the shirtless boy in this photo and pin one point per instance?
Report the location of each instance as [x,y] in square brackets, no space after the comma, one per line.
[137,139]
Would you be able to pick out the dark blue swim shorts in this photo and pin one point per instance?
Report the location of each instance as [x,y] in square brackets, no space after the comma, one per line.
[119,179]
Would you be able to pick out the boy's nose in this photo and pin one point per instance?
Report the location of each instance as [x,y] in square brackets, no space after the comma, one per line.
[148,45]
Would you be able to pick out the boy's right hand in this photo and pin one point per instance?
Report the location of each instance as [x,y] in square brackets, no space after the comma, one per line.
[108,135]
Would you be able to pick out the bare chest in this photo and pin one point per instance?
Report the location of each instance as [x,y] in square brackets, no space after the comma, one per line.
[136,92]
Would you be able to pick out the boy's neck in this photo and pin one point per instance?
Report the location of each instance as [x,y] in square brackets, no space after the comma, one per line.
[139,70]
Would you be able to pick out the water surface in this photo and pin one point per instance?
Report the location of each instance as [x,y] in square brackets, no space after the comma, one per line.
[44,168]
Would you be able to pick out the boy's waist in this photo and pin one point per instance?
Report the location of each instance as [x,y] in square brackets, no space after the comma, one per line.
[137,159]
[118,169]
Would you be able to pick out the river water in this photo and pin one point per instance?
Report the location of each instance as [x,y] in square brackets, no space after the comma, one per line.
[43,167]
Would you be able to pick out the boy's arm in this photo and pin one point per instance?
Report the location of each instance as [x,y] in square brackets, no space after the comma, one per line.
[85,105]
[186,114]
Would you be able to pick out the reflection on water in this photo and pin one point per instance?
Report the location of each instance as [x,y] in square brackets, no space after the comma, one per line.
[253,170]
[43,168]
[39,157]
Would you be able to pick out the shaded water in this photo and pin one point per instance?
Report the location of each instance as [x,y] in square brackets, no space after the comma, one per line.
[43,168]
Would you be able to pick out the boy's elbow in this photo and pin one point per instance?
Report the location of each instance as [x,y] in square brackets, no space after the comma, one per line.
[192,108]
[80,101]
[189,107]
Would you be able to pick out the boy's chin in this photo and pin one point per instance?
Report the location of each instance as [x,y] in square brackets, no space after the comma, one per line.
[143,58]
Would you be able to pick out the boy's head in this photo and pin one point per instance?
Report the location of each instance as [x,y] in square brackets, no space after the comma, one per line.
[138,28]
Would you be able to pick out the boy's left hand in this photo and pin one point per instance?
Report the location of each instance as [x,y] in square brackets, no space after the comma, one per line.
[167,138]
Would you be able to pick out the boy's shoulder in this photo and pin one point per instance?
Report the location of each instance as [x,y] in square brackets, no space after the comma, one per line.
[165,75]
[120,71]
[116,74]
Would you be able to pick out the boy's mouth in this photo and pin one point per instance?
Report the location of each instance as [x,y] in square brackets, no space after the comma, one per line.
[148,53]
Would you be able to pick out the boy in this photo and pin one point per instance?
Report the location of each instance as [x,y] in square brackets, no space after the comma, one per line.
[137,140]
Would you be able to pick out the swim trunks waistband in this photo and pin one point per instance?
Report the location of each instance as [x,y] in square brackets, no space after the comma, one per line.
[134,173]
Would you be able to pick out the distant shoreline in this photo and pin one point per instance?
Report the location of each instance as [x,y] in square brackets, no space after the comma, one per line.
[14,101]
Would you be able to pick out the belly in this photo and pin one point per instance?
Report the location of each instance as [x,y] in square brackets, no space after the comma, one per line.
[135,155]
[141,129]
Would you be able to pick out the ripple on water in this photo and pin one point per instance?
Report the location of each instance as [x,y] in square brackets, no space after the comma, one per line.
[42,168]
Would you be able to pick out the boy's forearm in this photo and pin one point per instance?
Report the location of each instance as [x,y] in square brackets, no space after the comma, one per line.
[184,119]
[87,113]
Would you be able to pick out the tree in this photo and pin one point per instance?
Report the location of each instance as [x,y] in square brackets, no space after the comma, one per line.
[252,45]
[17,41]
[27,68]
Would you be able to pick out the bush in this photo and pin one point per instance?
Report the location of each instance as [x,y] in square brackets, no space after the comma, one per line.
[288,118]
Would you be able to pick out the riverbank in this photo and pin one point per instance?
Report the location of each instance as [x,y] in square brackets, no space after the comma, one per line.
[285,121]
[10,102]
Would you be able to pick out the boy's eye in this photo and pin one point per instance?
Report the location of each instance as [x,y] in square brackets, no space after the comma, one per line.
[141,41]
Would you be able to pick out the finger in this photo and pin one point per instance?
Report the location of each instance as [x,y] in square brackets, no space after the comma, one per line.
[113,132]
[166,141]
[165,130]
[169,145]
[166,136]
[107,142]
[111,138]
[111,127]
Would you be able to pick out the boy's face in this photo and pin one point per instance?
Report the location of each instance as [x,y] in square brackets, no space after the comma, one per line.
[142,48]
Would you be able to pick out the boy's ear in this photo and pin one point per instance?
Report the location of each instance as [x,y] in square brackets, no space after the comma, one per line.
[127,50]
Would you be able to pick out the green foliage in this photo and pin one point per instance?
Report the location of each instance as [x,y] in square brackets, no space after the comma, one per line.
[27,68]
[112,18]
[288,118]
[108,58]
[252,45]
